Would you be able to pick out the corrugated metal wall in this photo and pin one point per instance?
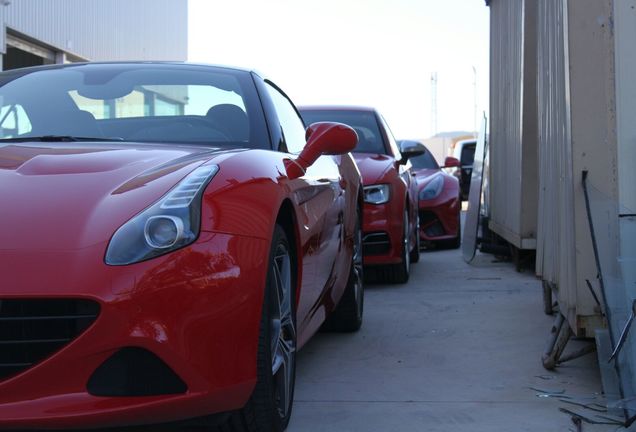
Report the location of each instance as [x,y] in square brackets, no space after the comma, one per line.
[506,59]
[555,245]
[513,129]
[619,264]
[593,117]
[625,28]
[105,29]
[576,134]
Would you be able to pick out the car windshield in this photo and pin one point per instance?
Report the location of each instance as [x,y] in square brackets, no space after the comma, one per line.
[365,124]
[468,154]
[424,161]
[172,103]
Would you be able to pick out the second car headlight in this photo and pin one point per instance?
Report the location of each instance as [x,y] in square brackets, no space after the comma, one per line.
[432,189]
[377,194]
[169,224]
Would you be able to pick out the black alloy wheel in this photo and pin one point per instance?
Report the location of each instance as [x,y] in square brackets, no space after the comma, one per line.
[414,255]
[269,408]
[399,273]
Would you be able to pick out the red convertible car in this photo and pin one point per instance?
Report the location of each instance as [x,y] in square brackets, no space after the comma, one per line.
[390,222]
[440,200]
[170,236]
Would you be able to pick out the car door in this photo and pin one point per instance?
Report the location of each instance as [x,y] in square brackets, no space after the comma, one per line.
[319,197]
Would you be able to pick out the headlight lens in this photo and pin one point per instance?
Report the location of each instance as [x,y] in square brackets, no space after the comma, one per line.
[169,224]
[377,194]
[432,189]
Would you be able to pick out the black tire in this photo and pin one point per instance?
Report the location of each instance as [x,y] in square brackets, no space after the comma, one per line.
[265,411]
[347,316]
[399,273]
[414,255]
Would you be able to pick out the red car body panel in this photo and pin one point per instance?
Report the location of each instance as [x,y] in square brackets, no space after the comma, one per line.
[384,169]
[198,308]
[439,217]
[388,217]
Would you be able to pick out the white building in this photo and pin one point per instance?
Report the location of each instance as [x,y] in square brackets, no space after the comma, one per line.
[37,32]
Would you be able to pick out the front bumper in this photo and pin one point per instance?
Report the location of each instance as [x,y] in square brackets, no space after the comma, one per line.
[196,309]
[382,234]
[439,218]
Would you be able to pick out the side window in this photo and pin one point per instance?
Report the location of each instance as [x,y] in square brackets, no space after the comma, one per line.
[290,122]
[392,144]
[13,121]
[468,154]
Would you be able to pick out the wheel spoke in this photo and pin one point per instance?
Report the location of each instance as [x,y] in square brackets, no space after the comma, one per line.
[283,336]
[407,243]
[358,288]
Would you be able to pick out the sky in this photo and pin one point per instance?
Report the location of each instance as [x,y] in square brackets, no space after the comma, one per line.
[379,53]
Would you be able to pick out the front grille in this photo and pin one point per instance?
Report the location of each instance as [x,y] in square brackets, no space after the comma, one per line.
[430,224]
[436,229]
[31,330]
[376,243]
[427,217]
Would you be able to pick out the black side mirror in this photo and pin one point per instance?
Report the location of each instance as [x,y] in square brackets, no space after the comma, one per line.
[410,149]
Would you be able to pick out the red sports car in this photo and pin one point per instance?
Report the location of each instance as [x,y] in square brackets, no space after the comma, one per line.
[170,236]
[390,222]
[440,200]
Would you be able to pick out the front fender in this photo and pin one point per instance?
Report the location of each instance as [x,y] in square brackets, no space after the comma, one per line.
[245,195]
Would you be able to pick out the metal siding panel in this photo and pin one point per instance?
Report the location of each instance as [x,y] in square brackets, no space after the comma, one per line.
[625,20]
[592,92]
[505,134]
[513,142]
[3,33]
[106,30]
[529,128]
[555,249]
[615,194]
[575,90]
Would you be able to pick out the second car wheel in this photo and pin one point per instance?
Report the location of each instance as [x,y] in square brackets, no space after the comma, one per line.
[347,316]
[269,407]
[414,255]
[399,273]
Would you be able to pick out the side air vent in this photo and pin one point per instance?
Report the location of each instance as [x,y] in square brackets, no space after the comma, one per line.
[133,371]
[33,329]
[376,243]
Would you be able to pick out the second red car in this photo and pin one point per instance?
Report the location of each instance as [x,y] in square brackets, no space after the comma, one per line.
[390,222]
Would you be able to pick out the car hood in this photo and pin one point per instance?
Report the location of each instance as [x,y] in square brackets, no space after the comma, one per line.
[373,167]
[424,175]
[66,196]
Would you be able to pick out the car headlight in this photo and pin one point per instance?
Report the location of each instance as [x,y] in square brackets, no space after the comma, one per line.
[169,224]
[432,189]
[377,194]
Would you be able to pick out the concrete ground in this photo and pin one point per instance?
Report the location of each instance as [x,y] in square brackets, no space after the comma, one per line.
[458,348]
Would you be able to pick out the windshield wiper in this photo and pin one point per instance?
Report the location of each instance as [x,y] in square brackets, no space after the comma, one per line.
[59,138]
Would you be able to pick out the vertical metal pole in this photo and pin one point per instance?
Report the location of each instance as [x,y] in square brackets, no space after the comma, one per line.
[434,104]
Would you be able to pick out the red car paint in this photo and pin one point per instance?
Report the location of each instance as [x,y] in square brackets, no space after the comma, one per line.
[197,308]
[380,168]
